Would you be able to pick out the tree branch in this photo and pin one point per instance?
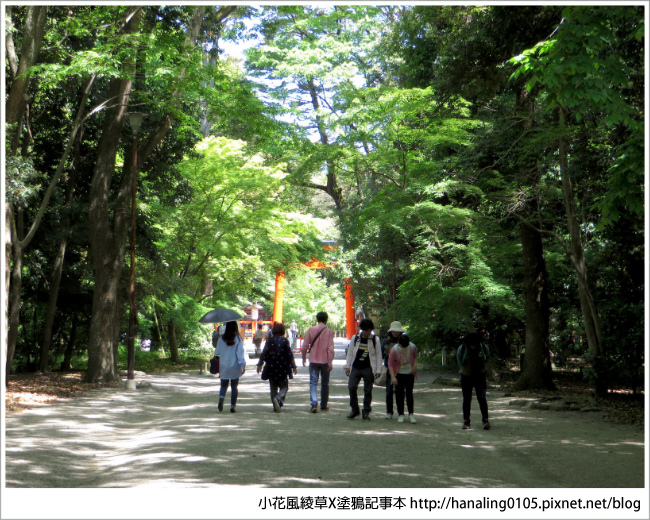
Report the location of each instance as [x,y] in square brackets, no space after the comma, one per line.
[544,232]
[59,171]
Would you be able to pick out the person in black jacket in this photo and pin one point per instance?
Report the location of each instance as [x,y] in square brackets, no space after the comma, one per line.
[279,365]
[472,356]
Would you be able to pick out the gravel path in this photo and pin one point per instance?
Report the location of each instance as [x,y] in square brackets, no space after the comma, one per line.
[171,434]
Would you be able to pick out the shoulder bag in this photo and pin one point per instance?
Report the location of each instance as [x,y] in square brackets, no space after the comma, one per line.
[314,340]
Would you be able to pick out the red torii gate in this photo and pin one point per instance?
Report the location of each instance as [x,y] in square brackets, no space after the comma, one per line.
[314,263]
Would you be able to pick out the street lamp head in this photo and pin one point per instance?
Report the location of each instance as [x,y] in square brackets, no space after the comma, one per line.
[135,119]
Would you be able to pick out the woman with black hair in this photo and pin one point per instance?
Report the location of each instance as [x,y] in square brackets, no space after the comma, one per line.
[232,363]
[279,365]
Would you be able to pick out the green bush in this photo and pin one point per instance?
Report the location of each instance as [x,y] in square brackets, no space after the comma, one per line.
[431,362]
[157,361]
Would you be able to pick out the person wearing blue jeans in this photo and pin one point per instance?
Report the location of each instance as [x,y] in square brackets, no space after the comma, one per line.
[234,392]
[319,371]
[319,344]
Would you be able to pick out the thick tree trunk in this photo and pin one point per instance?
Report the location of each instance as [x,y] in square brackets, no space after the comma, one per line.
[108,244]
[537,370]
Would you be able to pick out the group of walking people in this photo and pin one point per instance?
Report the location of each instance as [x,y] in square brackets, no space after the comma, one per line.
[367,359]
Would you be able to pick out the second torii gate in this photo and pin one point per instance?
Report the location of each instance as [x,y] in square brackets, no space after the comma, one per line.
[314,263]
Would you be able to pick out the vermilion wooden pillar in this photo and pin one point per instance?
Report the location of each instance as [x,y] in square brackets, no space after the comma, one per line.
[350,320]
[278,300]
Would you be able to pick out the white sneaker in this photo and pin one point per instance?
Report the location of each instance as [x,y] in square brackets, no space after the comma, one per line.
[412,418]
[389,416]
[400,418]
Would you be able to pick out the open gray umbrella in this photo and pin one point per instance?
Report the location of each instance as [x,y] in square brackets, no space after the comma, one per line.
[220,316]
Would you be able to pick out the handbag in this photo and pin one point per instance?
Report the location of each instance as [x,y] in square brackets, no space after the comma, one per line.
[214,365]
[265,372]
[383,376]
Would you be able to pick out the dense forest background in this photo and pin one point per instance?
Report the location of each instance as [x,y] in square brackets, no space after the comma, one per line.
[480,167]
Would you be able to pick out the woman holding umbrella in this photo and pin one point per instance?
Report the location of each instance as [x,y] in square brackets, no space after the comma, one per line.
[232,363]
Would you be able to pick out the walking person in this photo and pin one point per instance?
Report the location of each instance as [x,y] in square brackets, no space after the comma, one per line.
[363,361]
[293,330]
[257,339]
[279,365]
[319,344]
[403,367]
[391,340]
[232,363]
[472,356]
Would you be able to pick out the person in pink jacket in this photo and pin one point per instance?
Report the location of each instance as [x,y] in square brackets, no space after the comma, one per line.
[403,368]
[319,344]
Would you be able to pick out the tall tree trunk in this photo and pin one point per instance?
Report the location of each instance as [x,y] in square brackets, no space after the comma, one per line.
[33,36]
[537,370]
[108,244]
[7,273]
[20,244]
[14,305]
[577,256]
[66,364]
[14,113]
[57,269]
[173,343]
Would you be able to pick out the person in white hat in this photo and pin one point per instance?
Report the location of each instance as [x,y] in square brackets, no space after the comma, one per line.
[391,340]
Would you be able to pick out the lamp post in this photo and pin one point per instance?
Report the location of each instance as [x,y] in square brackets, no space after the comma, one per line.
[135,119]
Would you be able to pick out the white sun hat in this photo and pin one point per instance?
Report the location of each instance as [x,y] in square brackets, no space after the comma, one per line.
[396,326]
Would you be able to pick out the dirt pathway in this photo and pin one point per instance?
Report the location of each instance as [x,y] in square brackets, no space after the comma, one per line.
[171,435]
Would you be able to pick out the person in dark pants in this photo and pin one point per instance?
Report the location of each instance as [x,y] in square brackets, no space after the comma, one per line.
[279,358]
[403,367]
[472,356]
[391,340]
[363,361]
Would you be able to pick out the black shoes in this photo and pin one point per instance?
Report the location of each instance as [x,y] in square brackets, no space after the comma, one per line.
[353,414]
[365,415]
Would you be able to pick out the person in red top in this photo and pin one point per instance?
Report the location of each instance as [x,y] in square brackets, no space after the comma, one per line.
[319,343]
